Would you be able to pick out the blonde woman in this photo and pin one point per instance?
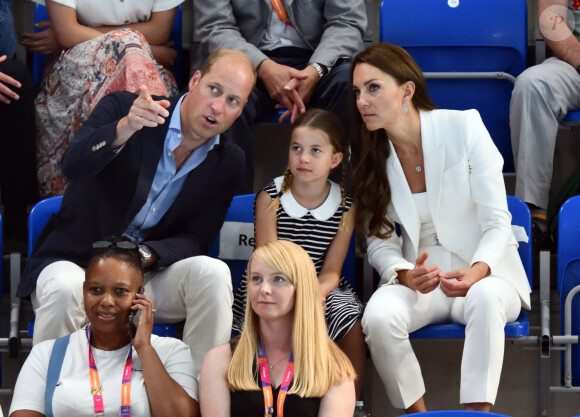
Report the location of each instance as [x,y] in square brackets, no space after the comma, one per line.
[284,362]
[305,207]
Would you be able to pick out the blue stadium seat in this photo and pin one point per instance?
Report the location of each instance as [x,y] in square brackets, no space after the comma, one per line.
[39,215]
[39,60]
[521,327]
[236,242]
[572,117]
[471,52]
[568,236]
[569,282]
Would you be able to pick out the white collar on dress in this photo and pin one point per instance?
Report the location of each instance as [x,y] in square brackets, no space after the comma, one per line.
[323,212]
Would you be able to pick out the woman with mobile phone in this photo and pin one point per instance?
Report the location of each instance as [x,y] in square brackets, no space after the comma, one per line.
[110,366]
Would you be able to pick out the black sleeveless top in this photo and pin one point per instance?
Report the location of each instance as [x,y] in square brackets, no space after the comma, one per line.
[251,403]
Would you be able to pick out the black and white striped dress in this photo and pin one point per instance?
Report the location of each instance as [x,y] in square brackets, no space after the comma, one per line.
[314,231]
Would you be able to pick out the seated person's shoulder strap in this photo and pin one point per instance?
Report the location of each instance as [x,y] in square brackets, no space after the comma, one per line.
[54,367]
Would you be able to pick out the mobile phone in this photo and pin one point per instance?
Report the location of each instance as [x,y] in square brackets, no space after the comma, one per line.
[132,325]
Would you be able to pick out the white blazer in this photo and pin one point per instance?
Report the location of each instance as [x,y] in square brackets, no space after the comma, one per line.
[467,200]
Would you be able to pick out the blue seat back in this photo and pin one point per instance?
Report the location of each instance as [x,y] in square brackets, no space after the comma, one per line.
[38,217]
[464,36]
[569,271]
[573,116]
[176,37]
[39,60]
[568,235]
[521,217]
[571,279]
[236,241]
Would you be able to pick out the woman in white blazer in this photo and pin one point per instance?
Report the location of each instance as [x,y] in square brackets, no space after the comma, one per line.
[430,195]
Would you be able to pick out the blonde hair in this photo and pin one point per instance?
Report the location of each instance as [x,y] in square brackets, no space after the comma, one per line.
[331,126]
[318,362]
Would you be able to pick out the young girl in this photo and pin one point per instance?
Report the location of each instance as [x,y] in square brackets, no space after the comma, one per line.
[306,208]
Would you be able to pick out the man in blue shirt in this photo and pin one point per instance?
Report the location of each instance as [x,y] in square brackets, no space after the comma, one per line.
[162,174]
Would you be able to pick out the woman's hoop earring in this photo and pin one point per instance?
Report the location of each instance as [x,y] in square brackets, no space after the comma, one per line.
[405,109]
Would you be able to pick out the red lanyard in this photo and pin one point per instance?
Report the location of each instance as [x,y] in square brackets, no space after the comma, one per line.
[279,9]
[96,384]
[267,385]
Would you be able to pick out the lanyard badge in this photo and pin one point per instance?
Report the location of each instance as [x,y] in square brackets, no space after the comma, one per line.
[96,387]
[280,11]
[267,385]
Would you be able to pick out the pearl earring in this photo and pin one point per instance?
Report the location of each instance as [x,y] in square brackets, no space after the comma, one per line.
[405,109]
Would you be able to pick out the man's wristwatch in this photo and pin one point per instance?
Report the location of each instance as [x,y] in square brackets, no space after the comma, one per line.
[145,253]
[321,69]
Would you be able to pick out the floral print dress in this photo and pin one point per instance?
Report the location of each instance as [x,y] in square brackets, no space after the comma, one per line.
[77,80]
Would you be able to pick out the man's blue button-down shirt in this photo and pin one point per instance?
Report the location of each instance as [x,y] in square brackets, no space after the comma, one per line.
[167,183]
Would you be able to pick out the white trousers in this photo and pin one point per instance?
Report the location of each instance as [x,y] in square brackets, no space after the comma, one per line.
[197,289]
[542,96]
[394,311]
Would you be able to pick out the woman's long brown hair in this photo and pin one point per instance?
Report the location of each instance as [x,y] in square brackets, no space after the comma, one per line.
[370,150]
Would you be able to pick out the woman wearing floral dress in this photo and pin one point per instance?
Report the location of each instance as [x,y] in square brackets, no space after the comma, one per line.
[107,46]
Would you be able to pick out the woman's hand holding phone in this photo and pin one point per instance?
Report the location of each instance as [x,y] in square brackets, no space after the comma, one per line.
[144,326]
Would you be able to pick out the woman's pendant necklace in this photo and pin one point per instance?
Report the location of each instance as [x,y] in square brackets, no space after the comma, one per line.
[276,363]
[419,166]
